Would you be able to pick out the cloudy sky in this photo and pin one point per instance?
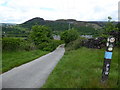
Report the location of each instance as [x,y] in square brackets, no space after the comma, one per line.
[18,11]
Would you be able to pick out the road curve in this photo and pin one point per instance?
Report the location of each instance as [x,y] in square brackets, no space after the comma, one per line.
[32,74]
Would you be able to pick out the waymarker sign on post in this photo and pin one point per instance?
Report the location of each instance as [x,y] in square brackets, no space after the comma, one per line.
[107,58]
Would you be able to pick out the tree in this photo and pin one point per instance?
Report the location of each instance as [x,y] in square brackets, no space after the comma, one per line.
[111,29]
[41,34]
[108,29]
[42,37]
[110,26]
[69,35]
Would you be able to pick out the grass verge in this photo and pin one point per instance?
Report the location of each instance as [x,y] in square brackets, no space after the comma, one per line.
[17,58]
[82,68]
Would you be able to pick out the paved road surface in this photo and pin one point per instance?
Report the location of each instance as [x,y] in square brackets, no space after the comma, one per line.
[32,74]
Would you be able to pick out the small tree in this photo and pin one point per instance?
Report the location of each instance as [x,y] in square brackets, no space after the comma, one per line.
[42,37]
[69,35]
[109,27]
[40,34]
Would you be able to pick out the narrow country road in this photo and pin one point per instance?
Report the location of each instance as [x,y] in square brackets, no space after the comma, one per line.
[32,74]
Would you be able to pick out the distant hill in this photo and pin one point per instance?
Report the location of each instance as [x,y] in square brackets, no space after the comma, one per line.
[57,26]
[62,23]
[32,22]
[41,21]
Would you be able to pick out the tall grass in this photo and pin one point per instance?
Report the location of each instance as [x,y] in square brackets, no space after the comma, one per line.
[82,68]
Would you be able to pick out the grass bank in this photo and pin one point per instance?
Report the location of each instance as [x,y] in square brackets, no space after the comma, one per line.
[17,58]
[82,68]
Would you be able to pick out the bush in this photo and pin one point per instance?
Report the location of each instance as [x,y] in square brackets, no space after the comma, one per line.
[13,44]
[75,44]
[41,34]
[50,46]
[27,45]
[58,42]
[10,44]
[42,37]
[69,35]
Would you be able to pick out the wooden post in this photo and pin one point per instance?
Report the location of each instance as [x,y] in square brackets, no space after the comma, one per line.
[107,58]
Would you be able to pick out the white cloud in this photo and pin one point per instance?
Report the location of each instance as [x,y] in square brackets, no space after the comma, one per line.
[18,11]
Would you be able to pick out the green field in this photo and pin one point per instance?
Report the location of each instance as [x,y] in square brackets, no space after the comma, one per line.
[82,68]
[14,59]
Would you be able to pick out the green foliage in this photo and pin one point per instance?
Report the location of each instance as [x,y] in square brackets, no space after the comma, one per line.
[75,44]
[14,44]
[118,43]
[10,43]
[69,35]
[42,37]
[27,45]
[86,30]
[58,42]
[110,26]
[57,26]
[40,34]
[110,29]
[104,35]
[52,45]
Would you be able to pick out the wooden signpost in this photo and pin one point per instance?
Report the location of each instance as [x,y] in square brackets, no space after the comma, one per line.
[107,58]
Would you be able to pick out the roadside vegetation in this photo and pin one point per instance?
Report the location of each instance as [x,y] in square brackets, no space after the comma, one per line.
[82,68]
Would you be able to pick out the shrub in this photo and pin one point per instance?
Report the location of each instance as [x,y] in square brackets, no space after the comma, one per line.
[69,35]
[40,34]
[42,37]
[75,44]
[10,44]
[27,45]
[58,42]
[50,46]
[13,44]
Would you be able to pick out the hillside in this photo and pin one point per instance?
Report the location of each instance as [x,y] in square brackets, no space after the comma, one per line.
[63,23]
[57,26]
